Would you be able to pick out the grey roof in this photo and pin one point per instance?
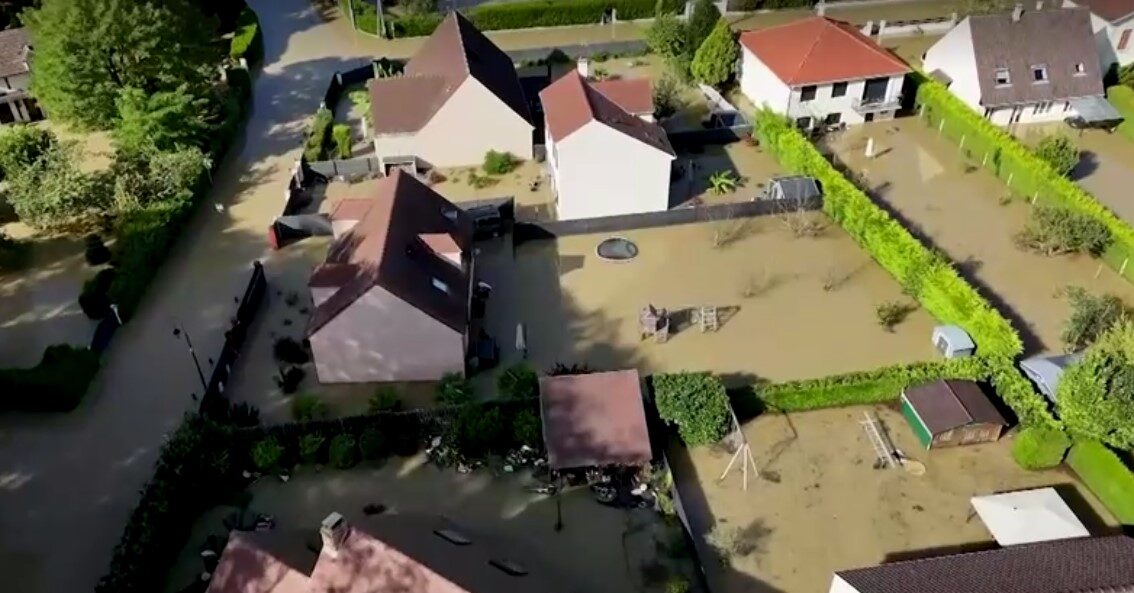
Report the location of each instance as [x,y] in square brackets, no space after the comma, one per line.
[1046,371]
[1059,39]
[13,52]
[958,338]
[947,404]
[1096,109]
[1080,565]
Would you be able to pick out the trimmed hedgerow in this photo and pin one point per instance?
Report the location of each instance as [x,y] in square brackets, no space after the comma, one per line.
[526,14]
[1037,448]
[1106,475]
[319,136]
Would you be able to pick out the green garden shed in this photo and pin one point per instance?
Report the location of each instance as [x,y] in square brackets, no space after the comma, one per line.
[947,413]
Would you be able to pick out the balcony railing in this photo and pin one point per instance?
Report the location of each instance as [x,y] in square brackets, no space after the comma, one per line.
[871,105]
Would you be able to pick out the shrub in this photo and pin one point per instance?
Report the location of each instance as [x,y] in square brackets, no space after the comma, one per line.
[319,135]
[1060,152]
[696,403]
[476,432]
[499,163]
[518,382]
[95,251]
[891,313]
[290,351]
[266,454]
[56,384]
[666,97]
[21,145]
[247,40]
[308,406]
[1057,231]
[372,444]
[1096,395]
[385,399]
[1037,448]
[701,23]
[454,390]
[1106,476]
[343,452]
[311,448]
[527,429]
[290,378]
[715,60]
[341,135]
[1091,315]
[668,38]
[143,238]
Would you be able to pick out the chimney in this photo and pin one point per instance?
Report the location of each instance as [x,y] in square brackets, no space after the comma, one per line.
[583,66]
[821,8]
[334,531]
[1017,12]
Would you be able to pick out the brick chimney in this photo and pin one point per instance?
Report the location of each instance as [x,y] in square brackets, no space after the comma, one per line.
[334,531]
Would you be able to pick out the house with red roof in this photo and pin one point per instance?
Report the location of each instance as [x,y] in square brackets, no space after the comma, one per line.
[1113,24]
[605,154]
[458,98]
[392,299]
[820,71]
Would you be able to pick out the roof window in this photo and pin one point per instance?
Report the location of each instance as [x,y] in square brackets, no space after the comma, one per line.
[509,567]
[454,537]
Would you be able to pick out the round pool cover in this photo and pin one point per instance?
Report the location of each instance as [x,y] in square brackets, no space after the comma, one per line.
[617,249]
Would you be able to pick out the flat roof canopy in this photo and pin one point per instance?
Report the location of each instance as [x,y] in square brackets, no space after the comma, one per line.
[1028,516]
[594,420]
[1096,110]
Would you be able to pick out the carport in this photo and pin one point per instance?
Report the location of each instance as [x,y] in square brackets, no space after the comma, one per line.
[1096,111]
[593,420]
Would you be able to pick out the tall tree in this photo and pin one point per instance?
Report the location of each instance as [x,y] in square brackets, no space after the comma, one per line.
[1096,396]
[165,120]
[715,60]
[88,51]
[701,22]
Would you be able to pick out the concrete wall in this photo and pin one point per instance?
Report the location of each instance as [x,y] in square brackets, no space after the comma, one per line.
[1031,113]
[383,338]
[953,55]
[761,85]
[472,122]
[603,172]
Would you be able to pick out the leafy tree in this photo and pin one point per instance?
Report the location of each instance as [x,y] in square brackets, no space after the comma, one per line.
[1096,396]
[145,178]
[666,97]
[696,403]
[499,163]
[518,382]
[701,23]
[88,51]
[1091,315]
[715,60]
[53,193]
[1060,152]
[1055,231]
[21,145]
[667,37]
[167,120]
[454,390]
[1037,447]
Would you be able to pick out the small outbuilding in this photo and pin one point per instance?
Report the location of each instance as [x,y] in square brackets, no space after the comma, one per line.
[951,412]
[1046,371]
[953,342]
[1028,516]
[596,419]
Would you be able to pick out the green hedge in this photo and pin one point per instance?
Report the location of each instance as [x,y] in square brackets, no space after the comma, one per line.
[56,384]
[867,387]
[1122,97]
[319,136]
[1037,448]
[1107,476]
[924,274]
[1010,160]
[696,403]
[526,14]
[248,39]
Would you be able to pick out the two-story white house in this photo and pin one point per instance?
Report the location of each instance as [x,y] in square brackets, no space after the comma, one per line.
[820,71]
[1113,24]
[16,105]
[1024,66]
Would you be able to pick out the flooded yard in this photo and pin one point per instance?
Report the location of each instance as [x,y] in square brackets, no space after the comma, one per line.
[968,214]
[820,506]
[789,308]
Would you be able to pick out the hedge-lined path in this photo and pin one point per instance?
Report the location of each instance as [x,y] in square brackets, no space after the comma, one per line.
[959,209]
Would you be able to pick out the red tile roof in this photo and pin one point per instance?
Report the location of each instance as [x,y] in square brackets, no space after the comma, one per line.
[1111,10]
[455,51]
[249,564]
[386,249]
[594,419]
[571,102]
[818,50]
[633,95]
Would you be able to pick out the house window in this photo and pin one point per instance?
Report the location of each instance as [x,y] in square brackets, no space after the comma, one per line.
[803,123]
[1039,73]
[1124,40]
[839,89]
[807,93]
[1080,69]
[439,285]
[1002,77]
[833,118]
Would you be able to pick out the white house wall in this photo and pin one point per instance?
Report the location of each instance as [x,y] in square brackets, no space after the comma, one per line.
[603,172]
[761,85]
[824,103]
[382,338]
[1031,114]
[472,122]
[953,55]
[1107,37]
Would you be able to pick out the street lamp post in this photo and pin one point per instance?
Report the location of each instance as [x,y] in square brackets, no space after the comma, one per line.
[178,331]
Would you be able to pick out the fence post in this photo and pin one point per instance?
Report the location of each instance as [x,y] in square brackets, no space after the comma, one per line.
[1034,197]
[941,126]
[984,161]
[1122,270]
[962,146]
[1010,176]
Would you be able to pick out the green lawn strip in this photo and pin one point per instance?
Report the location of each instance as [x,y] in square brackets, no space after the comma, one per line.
[1106,475]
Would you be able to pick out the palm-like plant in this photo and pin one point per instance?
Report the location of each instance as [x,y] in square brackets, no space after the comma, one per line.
[723,182]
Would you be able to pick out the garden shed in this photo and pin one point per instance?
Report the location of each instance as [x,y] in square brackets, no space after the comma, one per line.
[951,412]
[1046,371]
[596,419]
[953,342]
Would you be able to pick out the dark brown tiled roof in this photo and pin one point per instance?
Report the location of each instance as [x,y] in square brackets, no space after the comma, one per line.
[385,249]
[945,405]
[1111,10]
[819,49]
[1080,565]
[455,51]
[1059,39]
[13,52]
[594,419]
[571,102]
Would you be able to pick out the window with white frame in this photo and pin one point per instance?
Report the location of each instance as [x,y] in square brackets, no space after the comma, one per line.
[1080,69]
[1002,77]
[1039,73]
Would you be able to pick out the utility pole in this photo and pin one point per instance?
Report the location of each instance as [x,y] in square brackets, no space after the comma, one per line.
[178,331]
